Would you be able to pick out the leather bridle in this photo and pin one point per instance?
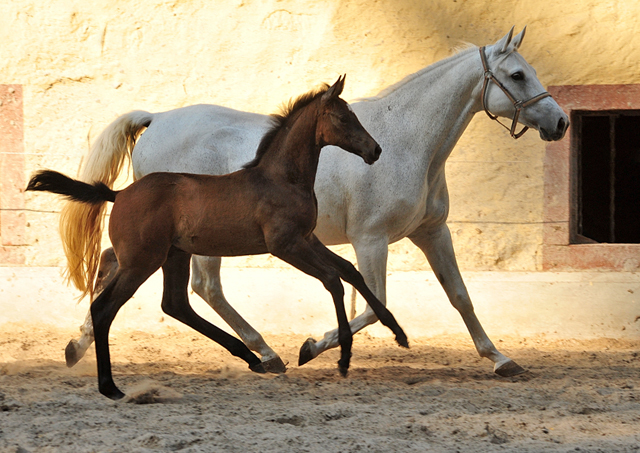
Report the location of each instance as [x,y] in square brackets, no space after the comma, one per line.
[518,105]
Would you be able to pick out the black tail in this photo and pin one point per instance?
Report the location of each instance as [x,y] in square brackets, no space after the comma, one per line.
[52,181]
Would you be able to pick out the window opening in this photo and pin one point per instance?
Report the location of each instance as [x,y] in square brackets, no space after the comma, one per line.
[608,177]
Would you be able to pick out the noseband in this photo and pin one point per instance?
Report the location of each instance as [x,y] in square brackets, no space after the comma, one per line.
[518,105]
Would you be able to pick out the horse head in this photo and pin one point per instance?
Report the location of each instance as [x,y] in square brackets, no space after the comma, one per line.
[512,90]
[338,125]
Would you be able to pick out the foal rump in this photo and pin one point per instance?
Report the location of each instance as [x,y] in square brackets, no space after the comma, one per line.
[52,181]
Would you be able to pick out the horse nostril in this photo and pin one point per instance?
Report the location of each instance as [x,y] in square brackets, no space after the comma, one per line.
[562,124]
[378,151]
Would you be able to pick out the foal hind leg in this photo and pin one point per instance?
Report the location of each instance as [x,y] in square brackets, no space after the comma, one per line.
[205,281]
[175,303]
[103,311]
[437,246]
[76,349]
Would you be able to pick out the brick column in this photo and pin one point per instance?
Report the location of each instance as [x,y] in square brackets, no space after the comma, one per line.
[12,180]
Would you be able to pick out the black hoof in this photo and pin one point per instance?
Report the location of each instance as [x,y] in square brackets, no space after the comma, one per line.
[71,354]
[275,365]
[258,368]
[306,353]
[113,393]
[343,365]
[402,340]
[509,369]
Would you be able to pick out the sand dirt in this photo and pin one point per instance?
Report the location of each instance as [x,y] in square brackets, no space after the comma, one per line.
[192,396]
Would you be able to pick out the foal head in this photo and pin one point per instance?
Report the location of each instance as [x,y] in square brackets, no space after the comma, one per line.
[339,126]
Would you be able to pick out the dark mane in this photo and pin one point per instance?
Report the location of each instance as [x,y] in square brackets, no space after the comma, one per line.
[278,120]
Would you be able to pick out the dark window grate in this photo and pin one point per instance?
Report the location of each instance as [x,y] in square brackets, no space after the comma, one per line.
[609,176]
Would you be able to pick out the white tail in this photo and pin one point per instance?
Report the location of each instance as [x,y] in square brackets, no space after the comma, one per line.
[81,224]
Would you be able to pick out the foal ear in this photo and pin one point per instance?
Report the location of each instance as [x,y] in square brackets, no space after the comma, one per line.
[335,90]
[502,45]
[515,43]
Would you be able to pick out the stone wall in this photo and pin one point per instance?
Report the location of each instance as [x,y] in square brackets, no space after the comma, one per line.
[77,65]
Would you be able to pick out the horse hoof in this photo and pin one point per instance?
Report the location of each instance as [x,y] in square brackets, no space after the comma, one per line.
[509,369]
[343,370]
[113,393]
[306,352]
[258,368]
[72,353]
[275,365]
[402,340]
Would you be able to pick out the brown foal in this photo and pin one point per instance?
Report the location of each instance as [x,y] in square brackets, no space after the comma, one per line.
[267,207]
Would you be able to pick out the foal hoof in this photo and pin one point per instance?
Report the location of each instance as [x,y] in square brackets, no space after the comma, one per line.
[112,392]
[402,340]
[343,364]
[306,352]
[72,353]
[275,365]
[509,369]
[258,368]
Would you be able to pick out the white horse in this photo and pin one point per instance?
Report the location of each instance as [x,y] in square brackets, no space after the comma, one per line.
[416,121]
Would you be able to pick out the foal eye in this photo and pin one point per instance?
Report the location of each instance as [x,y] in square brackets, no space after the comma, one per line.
[517,75]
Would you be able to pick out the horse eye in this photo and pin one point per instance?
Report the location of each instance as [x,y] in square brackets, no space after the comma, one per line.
[517,75]
[340,118]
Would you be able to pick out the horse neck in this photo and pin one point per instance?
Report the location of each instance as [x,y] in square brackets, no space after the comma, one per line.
[442,99]
[294,154]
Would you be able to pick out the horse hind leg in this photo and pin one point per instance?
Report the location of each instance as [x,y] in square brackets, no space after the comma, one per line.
[205,281]
[76,349]
[175,303]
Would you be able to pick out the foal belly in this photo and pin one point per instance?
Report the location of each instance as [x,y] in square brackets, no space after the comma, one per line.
[223,242]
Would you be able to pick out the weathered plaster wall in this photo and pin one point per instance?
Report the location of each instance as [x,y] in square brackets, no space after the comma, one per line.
[83,63]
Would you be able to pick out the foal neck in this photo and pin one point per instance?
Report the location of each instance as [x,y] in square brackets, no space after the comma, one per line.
[294,152]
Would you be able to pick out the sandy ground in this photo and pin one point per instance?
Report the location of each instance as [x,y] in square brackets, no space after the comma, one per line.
[437,396]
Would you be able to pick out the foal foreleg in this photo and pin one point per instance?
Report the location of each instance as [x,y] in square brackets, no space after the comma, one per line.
[302,256]
[175,303]
[372,254]
[349,274]
[205,281]
[75,350]
[437,246]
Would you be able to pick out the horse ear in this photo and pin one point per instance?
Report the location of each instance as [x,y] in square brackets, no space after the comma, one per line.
[335,90]
[503,44]
[515,43]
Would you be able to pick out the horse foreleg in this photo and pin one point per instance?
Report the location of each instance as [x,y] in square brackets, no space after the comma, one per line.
[175,303]
[76,349]
[301,255]
[205,281]
[372,254]
[438,248]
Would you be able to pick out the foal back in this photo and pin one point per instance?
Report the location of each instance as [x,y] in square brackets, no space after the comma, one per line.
[201,215]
